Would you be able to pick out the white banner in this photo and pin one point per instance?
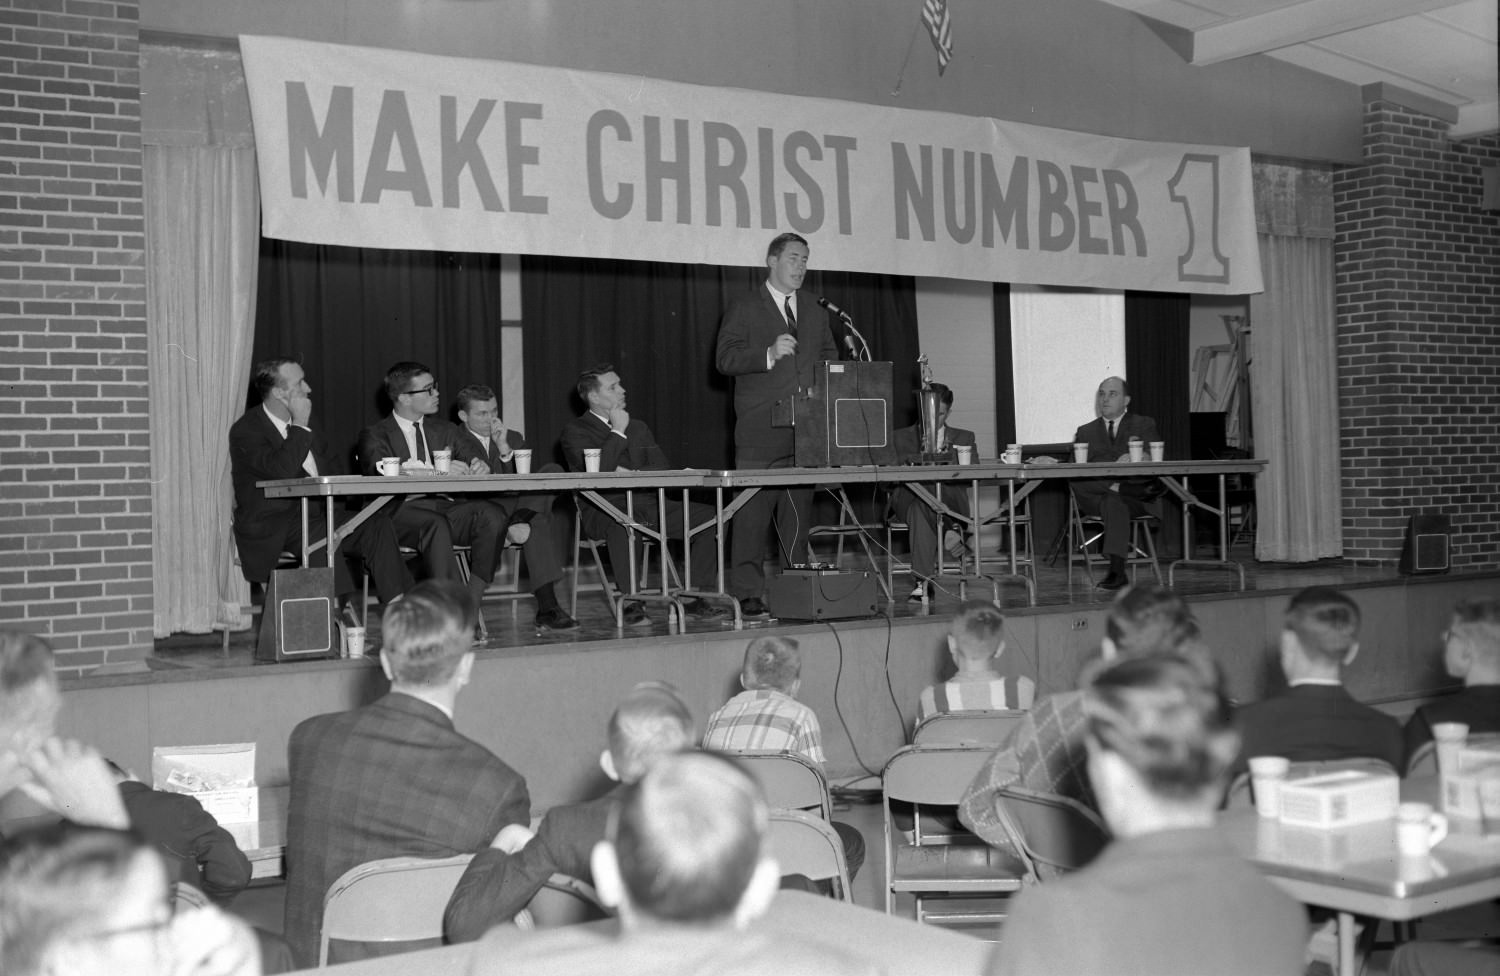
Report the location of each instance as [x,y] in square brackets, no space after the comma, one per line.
[376,148]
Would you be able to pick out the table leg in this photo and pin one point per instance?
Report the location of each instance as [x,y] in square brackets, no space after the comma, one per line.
[1347,964]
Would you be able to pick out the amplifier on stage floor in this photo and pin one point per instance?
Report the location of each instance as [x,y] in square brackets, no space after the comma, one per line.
[816,594]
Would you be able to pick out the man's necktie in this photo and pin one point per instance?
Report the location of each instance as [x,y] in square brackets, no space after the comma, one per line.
[422,454]
[1111,425]
[495,462]
[791,316]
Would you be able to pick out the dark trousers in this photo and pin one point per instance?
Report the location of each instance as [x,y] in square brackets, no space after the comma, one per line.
[789,509]
[702,553]
[922,524]
[1115,508]
[543,561]
[373,544]
[432,525]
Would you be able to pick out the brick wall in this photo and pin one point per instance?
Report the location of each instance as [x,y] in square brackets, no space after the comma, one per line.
[1418,307]
[75,493]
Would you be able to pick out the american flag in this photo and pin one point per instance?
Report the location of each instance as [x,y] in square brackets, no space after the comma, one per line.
[940,27]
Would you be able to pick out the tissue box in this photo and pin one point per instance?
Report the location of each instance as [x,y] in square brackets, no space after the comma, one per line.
[221,777]
[1339,799]
[1476,756]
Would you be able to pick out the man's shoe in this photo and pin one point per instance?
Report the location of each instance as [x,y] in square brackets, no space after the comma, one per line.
[517,534]
[955,544]
[923,589]
[754,607]
[635,615]
[701,609]
[1114,581]
[555,618]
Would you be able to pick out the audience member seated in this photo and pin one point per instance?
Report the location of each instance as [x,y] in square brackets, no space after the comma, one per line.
[651,721]
[394,778]
[767,717]
[1316,718]
[197,850]
[1046,749]
[976,640]
[40,774]
[921,521]
[89,901]
[685,864]
[1168,895]
[1471,653]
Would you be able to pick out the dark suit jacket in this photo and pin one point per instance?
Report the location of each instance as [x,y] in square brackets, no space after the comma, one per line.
[258,452]
[1478,706]
[749,327]
[393,778]
[468,448]
[1101,448]
[497,885]
[197,849]
[908,441]
[637,450]
[1310,722]
[384,439]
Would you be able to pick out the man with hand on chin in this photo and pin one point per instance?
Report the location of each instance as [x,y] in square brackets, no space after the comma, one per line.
[1115,502]
[486,446]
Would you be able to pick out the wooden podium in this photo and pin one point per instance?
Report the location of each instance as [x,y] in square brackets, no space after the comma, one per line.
[844,418]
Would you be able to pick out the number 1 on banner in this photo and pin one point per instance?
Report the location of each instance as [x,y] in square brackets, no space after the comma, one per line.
[1195,185]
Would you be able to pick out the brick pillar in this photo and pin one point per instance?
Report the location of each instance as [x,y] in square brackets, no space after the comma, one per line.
[75,491]
[1418,310]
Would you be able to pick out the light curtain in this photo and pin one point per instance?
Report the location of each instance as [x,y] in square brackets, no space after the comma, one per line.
[202,234]
[1294,401]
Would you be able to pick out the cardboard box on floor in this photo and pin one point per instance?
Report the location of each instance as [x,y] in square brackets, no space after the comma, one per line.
[221,777]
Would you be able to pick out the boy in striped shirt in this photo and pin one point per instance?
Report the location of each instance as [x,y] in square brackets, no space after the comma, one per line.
[976,639]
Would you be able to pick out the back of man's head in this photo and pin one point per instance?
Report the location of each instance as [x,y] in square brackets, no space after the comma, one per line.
[1148,619]
[1476,623]
[772,663]
[28,697]
[687,837]
[1325,623]
[977,631]
[650,722]
[61,883]
[427,633]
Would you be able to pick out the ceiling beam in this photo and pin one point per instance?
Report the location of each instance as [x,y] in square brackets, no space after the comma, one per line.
[1298,23]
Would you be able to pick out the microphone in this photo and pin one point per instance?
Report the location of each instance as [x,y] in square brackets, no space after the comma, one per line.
[834,308]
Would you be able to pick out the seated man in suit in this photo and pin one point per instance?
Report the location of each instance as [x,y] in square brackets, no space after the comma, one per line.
[275,440]
[921,520]
[685,862]
[1316,718]
[1046,749]
[627,444]
[431,524]
[650,722]
[1168,896]
[394,777]
[89,901]
[1471,653]
[487,446]
[767,717]
[976,642]
[1115,502]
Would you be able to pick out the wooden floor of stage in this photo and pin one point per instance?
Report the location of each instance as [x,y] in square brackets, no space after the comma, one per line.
[511,622]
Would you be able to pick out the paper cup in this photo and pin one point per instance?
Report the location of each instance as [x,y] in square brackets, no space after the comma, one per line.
[1419,829]
[1158,450]
[389,467]
[354,642]
[591,459]
[442,460]
[522,458]
[1450,738]
[1266,776]
[1080,453]
[1137,452]
[965,453]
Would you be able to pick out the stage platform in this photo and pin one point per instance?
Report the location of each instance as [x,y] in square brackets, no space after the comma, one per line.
[541,702]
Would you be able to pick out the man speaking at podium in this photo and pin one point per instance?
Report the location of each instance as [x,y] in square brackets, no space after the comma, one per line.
[770,343]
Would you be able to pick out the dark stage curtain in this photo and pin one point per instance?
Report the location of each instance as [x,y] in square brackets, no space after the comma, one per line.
[658,324]
[348,314]
[1005,375]
[1156,364]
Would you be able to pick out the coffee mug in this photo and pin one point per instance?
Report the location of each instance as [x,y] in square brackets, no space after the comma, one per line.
[388,466]
[1012,454]
[1419,828]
